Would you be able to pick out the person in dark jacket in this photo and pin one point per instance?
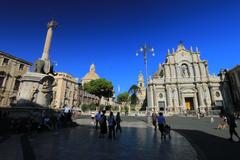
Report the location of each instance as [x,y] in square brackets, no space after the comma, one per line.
[118,121]
[103,125]
[154,120]
[111,126]
[161,124]
[232,125]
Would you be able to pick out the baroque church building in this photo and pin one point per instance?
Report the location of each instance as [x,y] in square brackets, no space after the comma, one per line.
[183,83]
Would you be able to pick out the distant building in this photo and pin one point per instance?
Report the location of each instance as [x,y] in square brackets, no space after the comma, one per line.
[11,71]
[91,75]
[231,87]
[87,98]
[183,83]
[68,92]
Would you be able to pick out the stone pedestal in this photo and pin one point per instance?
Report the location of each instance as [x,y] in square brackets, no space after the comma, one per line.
[35,90]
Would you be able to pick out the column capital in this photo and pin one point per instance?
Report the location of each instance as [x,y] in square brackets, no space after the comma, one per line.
[52,24]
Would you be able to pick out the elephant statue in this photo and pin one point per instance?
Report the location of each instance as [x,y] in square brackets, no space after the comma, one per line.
[44,67]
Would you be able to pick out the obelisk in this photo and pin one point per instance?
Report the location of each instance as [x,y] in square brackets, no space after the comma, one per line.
[36,86]
[51,25]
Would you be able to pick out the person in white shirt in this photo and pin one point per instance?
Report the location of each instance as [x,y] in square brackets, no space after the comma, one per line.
[97,119]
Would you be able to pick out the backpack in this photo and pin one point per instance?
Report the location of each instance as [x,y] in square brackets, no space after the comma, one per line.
[114,122]
[111,121]
[101,120]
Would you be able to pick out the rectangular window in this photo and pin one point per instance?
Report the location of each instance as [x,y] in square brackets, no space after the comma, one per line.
[5,62]
[21,66]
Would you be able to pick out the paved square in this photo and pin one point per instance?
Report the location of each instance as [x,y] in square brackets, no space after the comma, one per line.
[135,142]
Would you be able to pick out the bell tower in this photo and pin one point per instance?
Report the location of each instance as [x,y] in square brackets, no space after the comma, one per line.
[141,85]
[141,80]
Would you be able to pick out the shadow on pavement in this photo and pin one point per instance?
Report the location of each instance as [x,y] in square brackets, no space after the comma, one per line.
[27,150]
[210,146]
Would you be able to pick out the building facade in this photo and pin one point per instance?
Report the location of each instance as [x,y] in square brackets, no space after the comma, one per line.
[65,92]
[231,88]
[11,71]
[68,92]
[87,98]
[183,83]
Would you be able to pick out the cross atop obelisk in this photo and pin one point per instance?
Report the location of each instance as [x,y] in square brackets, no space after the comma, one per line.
[52,24]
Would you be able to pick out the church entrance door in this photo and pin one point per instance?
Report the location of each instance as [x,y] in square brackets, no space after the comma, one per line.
[189,103]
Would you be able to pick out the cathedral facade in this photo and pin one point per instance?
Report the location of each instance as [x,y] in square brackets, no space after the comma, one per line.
[183,83]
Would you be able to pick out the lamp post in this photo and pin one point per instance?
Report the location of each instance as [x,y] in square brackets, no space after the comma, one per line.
[146,49]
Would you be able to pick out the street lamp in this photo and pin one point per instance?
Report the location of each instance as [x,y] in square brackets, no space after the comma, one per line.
[146,49]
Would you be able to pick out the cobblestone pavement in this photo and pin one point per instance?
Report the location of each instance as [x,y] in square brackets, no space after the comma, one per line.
[135,142]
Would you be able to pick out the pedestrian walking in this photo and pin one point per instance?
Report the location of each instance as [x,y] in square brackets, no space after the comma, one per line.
[97,118]
[111,126]
[154,120]
[211,120]
[232,125]
[161,124]
[59,115]
[118,121]
[103,125]
[198,115]
[92,118]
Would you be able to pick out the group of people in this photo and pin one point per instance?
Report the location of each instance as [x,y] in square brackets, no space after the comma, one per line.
[162,125]
[35,121]
[110,124]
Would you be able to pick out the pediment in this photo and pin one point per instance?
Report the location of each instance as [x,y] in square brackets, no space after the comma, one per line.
[183,55]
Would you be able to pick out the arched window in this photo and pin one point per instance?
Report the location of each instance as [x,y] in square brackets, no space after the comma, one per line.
[184,70]
[2,77]
[17,83]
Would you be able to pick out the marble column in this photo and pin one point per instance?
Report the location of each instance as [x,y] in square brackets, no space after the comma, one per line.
[150,96]
[207,94]
[173,73]
[195,102]
[200,96]
[167,73]
[154,95]
[197,72]
[191,71]
[169,98]
[212,93]
[179,96]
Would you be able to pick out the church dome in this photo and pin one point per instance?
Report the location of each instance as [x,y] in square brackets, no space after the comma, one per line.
[91,75]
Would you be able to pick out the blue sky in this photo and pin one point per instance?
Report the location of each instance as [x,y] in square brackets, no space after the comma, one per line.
[108,33]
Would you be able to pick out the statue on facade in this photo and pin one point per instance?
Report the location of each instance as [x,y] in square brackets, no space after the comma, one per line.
[160,72]
[184,69]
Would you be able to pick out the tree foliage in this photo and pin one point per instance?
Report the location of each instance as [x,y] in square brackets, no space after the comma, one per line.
[133,91]
[123,97]
[100,87]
